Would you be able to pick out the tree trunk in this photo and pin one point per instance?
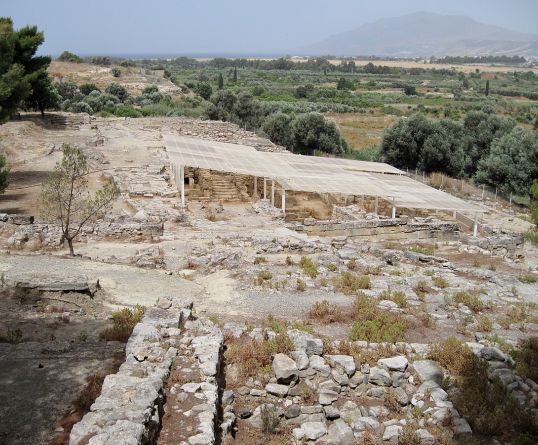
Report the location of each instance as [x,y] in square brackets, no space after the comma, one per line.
[42,112]
[70,243]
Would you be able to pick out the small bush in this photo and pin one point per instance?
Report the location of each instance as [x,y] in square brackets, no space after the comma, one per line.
[332,267]
[270,419]
[90,392]
[374,325]
[263,276]
[289,261]
[352,264]
[440,282]
[422,289]
[123,323]
[349,283]
[301,285]
[528,278]
[452,353]
[420,249]
[485,324]
[398,297]
[526,358]
[382,328]
[309,267]
[472,301]
[260,259]
[116,72]
[325,312]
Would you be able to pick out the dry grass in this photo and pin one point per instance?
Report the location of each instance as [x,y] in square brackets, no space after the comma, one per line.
[309,267]
[484,324]
[422,289]
[471,300]
[301,285]
[440,282]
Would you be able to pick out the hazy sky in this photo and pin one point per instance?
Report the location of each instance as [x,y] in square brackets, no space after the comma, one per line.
[230,26]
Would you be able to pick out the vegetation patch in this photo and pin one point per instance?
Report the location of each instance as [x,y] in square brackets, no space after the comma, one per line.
[349,283]
[471,300]
[123,323]
[308,267]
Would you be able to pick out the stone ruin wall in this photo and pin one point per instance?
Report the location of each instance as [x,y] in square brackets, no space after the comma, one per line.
[132,403]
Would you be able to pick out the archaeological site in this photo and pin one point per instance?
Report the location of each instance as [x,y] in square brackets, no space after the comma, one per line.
[295,250]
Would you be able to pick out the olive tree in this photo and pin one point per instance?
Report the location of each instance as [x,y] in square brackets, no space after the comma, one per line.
[66,199]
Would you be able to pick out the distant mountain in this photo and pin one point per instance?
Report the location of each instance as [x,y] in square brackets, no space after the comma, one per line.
[426,34]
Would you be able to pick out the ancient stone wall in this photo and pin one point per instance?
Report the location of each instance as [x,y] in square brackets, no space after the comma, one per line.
[397,228]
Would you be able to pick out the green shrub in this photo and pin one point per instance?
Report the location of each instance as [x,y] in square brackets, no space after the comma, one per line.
[382,328]
[532,237]
[123,323]
[349,282]
[526,358]
[309,267]
[440,282]
[332,267]
[127,111]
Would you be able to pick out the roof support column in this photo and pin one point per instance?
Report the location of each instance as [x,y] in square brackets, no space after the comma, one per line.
[376,207]
[284,201]
[393,209]
[255,194]
[475,225]
[182,184]
[264,188]
[273,192]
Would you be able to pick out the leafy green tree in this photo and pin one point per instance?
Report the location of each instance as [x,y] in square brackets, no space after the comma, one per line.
[403,142]
[20,70]
[410,90]
[235,75]
[204,90]
[87,88]
[44,95]
[221,82]
[66,200]
[278,127]
[487,88]
[313,131]
[117,90]
[4,174]
[67,56]
[116,72]
[512,164]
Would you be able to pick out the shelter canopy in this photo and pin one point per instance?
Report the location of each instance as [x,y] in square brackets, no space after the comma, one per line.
[312,174]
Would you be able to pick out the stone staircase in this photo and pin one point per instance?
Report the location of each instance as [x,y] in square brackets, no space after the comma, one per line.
[218,187]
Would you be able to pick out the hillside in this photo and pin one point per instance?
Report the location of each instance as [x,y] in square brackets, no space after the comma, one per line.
[426,34]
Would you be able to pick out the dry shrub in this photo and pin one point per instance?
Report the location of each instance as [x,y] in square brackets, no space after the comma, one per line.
[372,270]
[408,435]
[368,438]
[526,357]
[452,353]
[263,276]
[90,392]
[255,357]
[123,323]
[352,264]
[348,283]
[422,289]
[471,300]
[301,285]
[398,297]
[440,282]
[260,259]
[325,312]
[484,324]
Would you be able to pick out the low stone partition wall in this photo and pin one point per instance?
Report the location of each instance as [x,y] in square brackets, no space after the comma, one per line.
[131,406]
[503,245]
[21,231]
[397,228]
